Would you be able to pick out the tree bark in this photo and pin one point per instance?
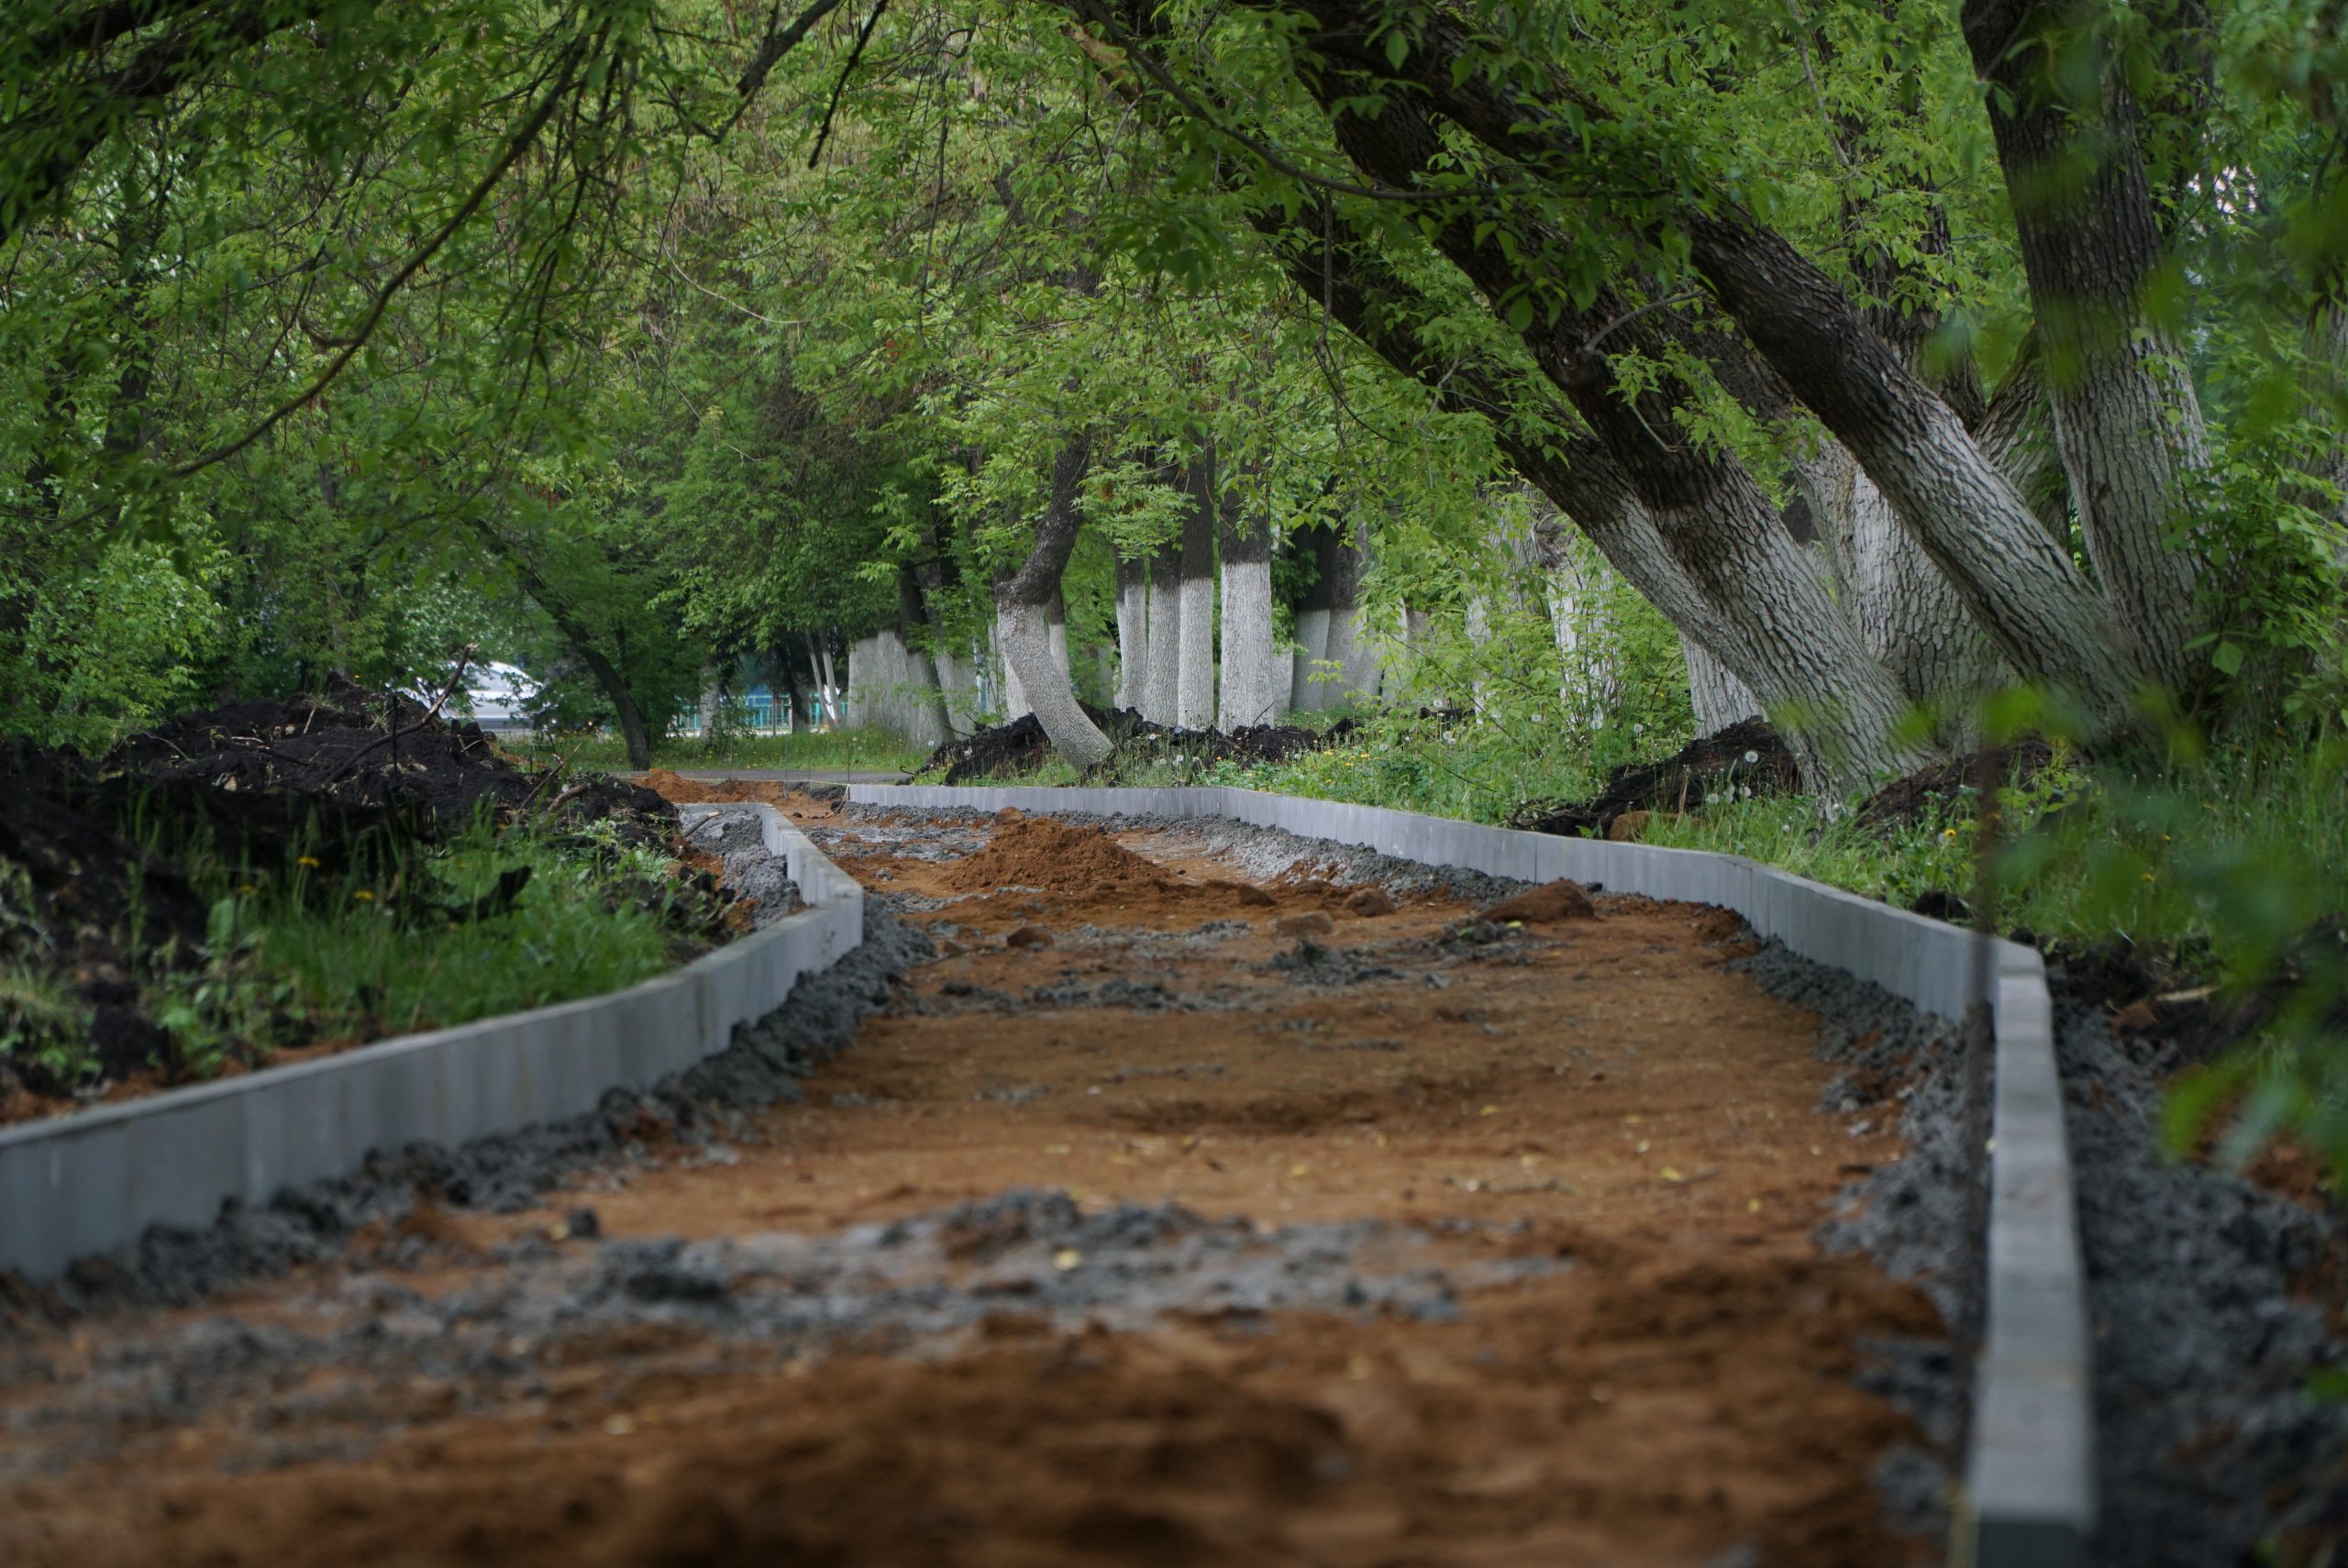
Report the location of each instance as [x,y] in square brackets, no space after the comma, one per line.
[1162,673]
[1194,669]
[2043,616]
[1133,629]
[1024,602]
[912,619]
[1250,672]
[1306,694]
[2127,420]
[1719,699]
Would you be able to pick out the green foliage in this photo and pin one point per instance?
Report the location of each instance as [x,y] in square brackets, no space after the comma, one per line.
[816,750]
[352,958]
[42,1022]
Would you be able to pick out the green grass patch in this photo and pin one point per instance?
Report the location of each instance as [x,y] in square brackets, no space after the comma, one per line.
[391,944]
[814,749]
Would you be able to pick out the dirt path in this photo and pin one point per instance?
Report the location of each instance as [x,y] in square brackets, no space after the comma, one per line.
[1224,1214]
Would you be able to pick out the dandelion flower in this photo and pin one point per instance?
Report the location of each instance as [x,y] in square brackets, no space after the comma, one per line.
[364,895]
[309,860]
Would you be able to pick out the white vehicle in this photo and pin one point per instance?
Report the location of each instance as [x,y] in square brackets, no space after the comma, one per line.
[494,696]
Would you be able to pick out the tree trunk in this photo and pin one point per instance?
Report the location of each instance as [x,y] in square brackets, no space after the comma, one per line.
[2127,420]
[1195,677]
[2043,616]
[1024,604]
[1056,627]
[1592,489]
[1719,699]
[1250,673]
[634,735]
[1132,630]
[1162,672]
[1305,693]
[1578,625]
[1012,692]
[819,653]
[1349,665]
[937,726]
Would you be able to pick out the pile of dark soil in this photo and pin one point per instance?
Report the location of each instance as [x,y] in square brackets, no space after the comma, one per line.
[1020,746]
[1746,758]
[1922,798]
[97,897]
[74,892]
[270,779]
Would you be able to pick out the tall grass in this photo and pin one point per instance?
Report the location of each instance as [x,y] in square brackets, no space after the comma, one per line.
[824,750]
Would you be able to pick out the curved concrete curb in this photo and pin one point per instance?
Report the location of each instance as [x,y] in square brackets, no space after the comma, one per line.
[2029,1500]
[94,1181]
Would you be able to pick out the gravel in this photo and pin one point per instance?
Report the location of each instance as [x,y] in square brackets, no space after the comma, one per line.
[2209,1439]
[696,1109]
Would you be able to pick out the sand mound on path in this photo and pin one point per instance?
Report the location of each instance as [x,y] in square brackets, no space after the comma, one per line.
[678,790]
[1041,852]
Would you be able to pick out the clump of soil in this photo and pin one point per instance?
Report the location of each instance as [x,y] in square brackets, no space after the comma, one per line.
[1047,854]
[1561,900]
[1746,757]
[1925,796]
[1020,746]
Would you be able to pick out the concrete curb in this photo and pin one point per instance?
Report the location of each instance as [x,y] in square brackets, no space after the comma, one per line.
[2030,1495]
[94,1181]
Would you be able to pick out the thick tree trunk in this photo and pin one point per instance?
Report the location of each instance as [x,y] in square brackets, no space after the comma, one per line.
[1719,699]
[1250,674]
[1162,673]
[1012,698]
[1132,630]
[1194,678]
[1025,600]
[2127,420]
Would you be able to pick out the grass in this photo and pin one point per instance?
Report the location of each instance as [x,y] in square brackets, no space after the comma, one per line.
[817,749]
[375,952]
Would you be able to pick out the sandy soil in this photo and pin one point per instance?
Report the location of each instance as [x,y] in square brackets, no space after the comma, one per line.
[1499,1251]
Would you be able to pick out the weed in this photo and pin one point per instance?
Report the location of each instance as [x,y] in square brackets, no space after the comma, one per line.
[44,1026]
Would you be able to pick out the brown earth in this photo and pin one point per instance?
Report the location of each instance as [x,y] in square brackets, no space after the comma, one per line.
[1603,1094]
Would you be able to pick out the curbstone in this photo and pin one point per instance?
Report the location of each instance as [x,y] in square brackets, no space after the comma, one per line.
[93,1181]
[2029,1494]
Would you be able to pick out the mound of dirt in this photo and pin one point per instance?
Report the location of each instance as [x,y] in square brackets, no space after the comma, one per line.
[1047,854]
[1925,796]
[269,778]
[1746,758]
[1561,900]
[1020,746]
